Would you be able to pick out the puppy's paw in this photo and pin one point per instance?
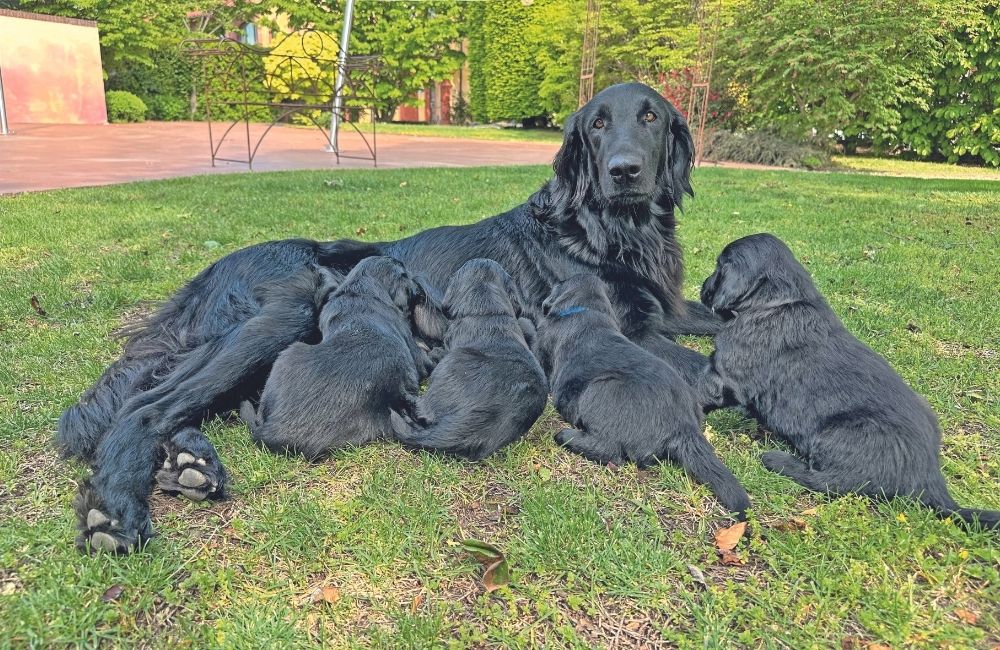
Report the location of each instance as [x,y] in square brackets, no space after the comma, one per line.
[566,436]
[100,531]
[192,470]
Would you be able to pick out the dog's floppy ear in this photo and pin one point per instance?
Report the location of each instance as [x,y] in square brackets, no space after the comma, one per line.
[680,156]
[572,162]
[734,283]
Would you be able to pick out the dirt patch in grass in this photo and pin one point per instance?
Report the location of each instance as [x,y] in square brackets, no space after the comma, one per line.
[956,350]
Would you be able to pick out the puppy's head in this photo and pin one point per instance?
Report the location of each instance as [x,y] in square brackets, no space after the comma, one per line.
[404,292]
[755,272]
[482,287]
[625,146]
[578,294]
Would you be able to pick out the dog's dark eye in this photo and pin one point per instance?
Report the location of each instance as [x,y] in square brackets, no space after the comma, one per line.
[598,123]
[650,116]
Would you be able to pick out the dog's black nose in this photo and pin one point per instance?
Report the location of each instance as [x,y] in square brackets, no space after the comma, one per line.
[624,169]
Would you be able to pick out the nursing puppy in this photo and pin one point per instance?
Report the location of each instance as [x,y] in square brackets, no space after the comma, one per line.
[788,360]
[488,389]
[626,403]
[339,392]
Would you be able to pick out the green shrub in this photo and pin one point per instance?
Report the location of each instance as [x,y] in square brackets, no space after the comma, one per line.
[167,108]
[961,121]
[762,148]
[123,106]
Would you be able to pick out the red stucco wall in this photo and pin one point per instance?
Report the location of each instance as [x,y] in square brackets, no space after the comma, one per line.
[51,70]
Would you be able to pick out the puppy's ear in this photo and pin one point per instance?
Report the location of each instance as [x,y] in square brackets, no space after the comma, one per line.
[680,156]
[572,162]
[734,284]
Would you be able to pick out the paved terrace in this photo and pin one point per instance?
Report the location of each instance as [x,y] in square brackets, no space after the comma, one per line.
[49,156]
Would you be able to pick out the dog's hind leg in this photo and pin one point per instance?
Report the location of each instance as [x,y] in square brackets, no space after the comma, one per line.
[112,506]
[695,454]
[594,448]
[192,467]
[798,470]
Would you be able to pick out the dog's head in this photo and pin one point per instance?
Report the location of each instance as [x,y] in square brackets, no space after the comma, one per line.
[403,291]
[482,287]
[754,272]
[576,295]
[625,146]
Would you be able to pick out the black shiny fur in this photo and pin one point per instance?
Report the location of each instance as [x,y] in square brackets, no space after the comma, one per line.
[488,389]
[340,391]
[625,403]
[787,359]
[211,345]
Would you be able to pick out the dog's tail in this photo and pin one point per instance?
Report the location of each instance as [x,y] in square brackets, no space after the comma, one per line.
[935,496]
[248,413]
[694,453]
[938,500]
[82,425]
[440,435]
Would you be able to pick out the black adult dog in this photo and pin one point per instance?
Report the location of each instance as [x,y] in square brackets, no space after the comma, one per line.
[623,167]
[788,360]
[488,389]
[339,392]
[626,404]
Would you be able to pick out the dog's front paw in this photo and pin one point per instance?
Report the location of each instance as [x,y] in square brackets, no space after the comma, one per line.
[566,436]
[101,531]
[191,468]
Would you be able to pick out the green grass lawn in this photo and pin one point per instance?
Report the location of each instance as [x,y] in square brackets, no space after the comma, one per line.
[600,556]
[485,132]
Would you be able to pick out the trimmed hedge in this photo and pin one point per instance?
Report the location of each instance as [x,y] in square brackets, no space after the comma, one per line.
[762,148]
[512,70]
[123,106]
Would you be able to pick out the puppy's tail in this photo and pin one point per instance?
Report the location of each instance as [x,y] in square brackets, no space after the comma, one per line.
[249,415]
[440,435]
[694,453]
[944,507]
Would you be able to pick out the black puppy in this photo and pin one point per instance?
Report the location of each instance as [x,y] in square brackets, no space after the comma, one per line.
[788,360]
[488,389]
[626,403]
[339,392]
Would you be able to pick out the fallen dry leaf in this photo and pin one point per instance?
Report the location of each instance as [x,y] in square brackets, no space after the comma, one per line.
[112,593]
[37,306]
[730,559]
[326,594]
[850,643]
[726,539]
[418,600]
[878,646]
[810,511]
[966,616]
[697,574]
[792,525]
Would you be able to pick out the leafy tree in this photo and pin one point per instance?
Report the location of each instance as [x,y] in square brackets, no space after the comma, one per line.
[640,40]
[964,111]
[418,44]
[842,67]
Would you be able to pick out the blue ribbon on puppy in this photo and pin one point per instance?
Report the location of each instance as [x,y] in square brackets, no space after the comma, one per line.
[569,311]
